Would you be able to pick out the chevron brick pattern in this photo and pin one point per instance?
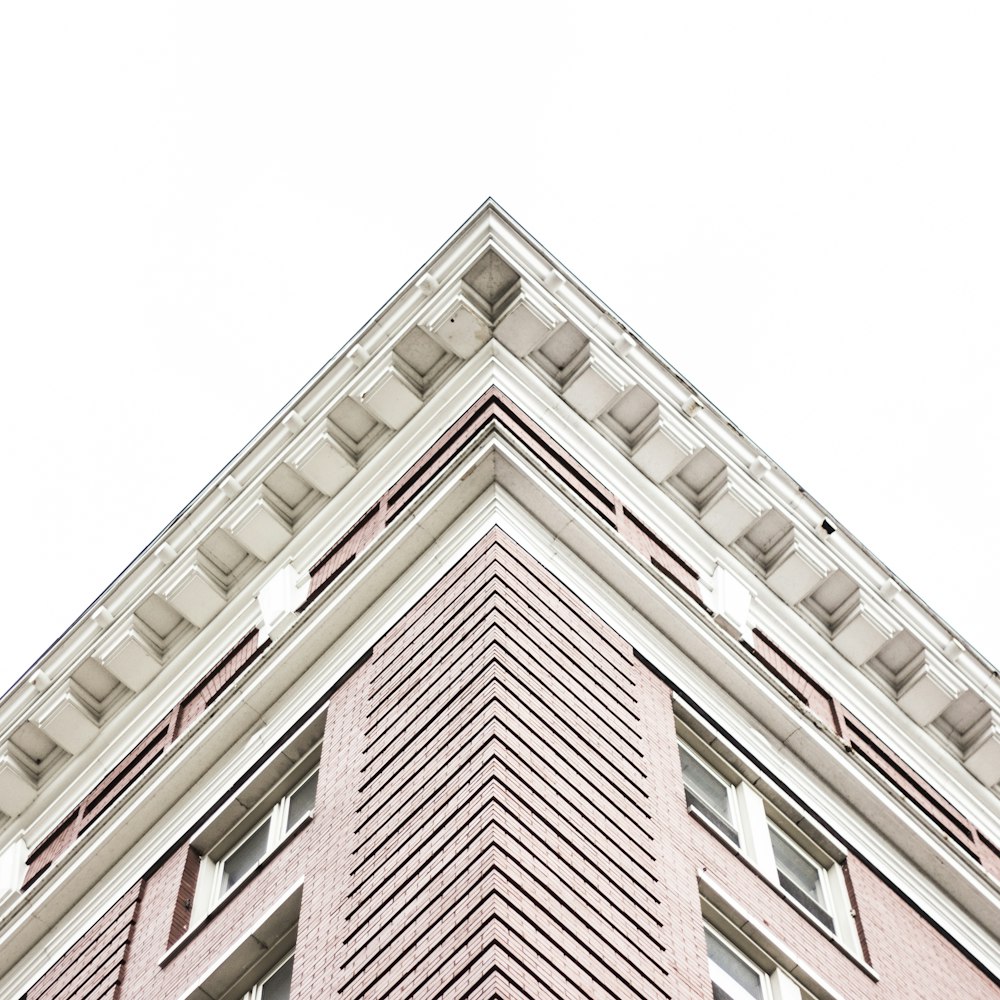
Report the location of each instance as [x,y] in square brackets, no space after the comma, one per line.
[503,843]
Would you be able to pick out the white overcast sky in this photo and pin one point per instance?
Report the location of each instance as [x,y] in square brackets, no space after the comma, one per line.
[796,204]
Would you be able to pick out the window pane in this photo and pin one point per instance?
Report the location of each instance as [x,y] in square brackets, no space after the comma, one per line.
[800,877]
[279,986]
[302,800]
[241,862]
[732,976]
[796,866]
[718,993]
[710,789]
[708,795]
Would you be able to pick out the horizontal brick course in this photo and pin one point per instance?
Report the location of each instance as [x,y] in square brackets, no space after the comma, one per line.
[500,813]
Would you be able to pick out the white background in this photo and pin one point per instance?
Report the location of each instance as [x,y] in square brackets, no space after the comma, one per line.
[796,204]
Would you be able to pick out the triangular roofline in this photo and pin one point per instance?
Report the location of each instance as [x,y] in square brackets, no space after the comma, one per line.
[711,492]
[489,481]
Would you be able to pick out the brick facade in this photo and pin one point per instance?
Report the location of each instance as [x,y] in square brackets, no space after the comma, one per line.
[336,711]
[501,813]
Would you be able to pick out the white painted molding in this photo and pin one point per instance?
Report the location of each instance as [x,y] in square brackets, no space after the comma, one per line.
[623,344]
[553,280]
[983,757]
[862,628]
[323,463]
[102,617]
[928,688]
[389,396]
[131,658]
[526,323]
[194,590]
[166,553]
[17,786]
[797,568]
[459,327]
[435,289]
[731,510]
[293,422]
[279,599]
[41,681]
[68,721]
[13,867]
[730,599]
[953,650]
[261,525]
[664,447]
[230,487]
[692,406]
[593,387]
[428,284]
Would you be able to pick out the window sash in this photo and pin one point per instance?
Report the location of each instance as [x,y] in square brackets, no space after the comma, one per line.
[287,813]
[709,795]
[806,876]
[802,878]
[301,802]
[245,857]
[733,977]
[277,985]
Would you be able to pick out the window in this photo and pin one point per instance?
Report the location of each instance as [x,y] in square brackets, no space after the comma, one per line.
[733,977]
[802,878]
[782,844]
[708,794]
[277,985]
[276,800]
[742,969]
[258,964]
[280,819]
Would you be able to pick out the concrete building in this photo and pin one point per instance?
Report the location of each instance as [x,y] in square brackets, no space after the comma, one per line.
[500,664]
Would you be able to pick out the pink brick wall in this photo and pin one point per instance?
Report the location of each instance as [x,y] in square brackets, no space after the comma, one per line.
[500,812]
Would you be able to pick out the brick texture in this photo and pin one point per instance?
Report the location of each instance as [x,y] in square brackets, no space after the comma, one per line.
[93,967]
[141,757]
[503,826]
[500,814]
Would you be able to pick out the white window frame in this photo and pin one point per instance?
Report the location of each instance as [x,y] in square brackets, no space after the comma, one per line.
[213,869]
[256,992]
[721,978]
[263,799]
[775,983]
[825,876]
[708,814]
[754,816]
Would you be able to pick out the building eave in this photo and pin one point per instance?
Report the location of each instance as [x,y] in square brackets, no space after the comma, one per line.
[492,483]
[705,484]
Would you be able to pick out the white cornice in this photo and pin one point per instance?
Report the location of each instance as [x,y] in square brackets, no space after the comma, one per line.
[563,357]
[368,371]
[692,650]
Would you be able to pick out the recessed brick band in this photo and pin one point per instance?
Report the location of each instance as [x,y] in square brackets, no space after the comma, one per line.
[493,410]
